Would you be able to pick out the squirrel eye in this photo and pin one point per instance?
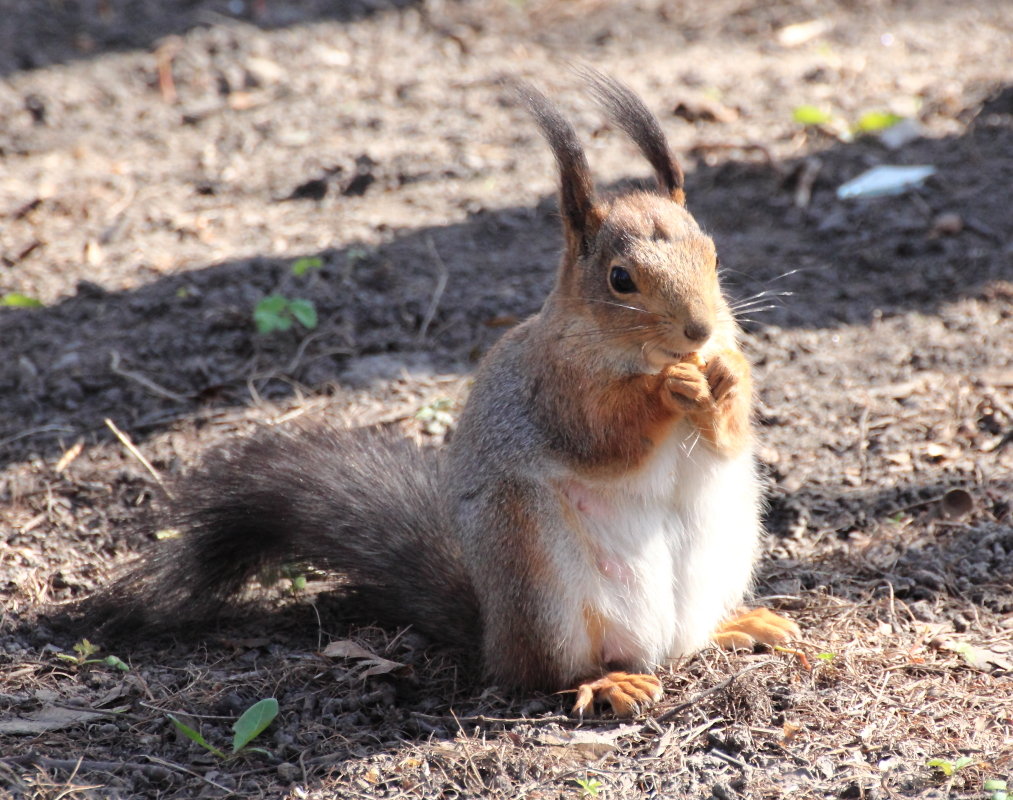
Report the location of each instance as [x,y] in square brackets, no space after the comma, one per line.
[621,281]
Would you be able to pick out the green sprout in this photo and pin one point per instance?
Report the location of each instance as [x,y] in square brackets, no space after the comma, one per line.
[85,650]
[875,121]
[303,265]
[18,300]
[811,115]
[248,727]
[435,417]
[947,767]
[589,787]
[278,313]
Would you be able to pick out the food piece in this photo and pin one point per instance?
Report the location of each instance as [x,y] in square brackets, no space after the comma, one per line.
[695,359]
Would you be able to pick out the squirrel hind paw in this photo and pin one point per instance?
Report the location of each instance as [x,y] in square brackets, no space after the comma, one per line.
[627,693]
[758,626]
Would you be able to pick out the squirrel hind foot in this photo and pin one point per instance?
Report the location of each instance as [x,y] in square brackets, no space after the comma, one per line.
[757,626]
[627,693]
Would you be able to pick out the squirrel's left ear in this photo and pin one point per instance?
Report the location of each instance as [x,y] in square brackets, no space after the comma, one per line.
[628,111]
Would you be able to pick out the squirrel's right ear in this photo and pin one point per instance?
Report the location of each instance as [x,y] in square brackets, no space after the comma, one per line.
[581,215]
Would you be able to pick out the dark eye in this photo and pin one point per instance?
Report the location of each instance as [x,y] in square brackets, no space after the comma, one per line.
[621,281]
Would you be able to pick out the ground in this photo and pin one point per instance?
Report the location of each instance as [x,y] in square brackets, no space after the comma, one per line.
[167,165]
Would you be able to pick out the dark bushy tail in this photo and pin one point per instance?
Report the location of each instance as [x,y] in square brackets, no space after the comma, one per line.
[365,504]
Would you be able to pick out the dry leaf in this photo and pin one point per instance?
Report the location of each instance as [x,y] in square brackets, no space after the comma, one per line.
[801,32]
[975,657]
[593,744]
[375,665]
[49,718]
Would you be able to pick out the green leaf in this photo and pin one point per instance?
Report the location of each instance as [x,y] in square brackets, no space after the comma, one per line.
[85,648]
[253,721]
[305,312]
[18,300]
[810,115]
[195,736]
[962,762]
[826,656]
[115,661]
[994,785]
[873,121]
[270,314]
[303,265]
[944,766]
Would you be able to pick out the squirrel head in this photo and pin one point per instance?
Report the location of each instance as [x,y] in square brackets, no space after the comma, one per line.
[637,275]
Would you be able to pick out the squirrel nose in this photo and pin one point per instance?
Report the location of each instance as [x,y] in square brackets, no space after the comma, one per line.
[696,331]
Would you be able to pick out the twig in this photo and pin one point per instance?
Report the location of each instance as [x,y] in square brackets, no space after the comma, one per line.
[807,177]
[73,765]
[147,383]
[729,759]
[125,440]
[68,457]
[180,768]
[672,712]
[441,285]
[34,431]
[483,720]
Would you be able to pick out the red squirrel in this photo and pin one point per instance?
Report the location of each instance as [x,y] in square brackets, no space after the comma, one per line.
[596,513]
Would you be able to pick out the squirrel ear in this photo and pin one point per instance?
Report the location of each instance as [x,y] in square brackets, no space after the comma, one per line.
[628,111]
[581,215]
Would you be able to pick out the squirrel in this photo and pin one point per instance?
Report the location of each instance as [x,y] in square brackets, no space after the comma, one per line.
[596,513]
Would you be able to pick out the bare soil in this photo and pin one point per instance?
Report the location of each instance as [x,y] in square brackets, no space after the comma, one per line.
[166,164]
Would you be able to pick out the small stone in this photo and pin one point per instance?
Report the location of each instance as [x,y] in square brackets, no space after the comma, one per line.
[947,224]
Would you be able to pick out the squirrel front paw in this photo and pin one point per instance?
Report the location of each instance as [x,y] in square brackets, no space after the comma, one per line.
[686,388]
[724,375]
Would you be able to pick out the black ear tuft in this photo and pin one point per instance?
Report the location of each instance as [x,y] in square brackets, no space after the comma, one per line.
[576,195]
[628,111]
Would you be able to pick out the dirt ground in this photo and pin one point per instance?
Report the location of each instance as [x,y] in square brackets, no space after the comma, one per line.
[164,166]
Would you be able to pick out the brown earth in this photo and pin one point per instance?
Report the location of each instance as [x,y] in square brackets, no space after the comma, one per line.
[165,164]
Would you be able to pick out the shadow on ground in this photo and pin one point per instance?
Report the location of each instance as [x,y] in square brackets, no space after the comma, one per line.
[35,35]
[149,356]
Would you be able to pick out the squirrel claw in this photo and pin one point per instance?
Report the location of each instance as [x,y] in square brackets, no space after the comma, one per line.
[627,693]
[758,626]
[720,378]
[686,386]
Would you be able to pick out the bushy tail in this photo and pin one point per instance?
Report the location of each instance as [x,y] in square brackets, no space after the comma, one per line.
[363,503]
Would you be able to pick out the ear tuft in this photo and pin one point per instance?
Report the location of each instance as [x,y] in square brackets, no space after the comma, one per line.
[628,111]
[581,217]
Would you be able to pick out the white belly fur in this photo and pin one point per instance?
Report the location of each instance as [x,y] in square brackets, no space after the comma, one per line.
[664,556]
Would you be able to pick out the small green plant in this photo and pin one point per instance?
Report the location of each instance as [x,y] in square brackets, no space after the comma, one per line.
[18,300]
[947,767]
[995,788]
[303,265]
[811,115]
[875,121]
[295,574]
[826,656]
[85,650]
[248,727]
[435,417]
[278,313]
[589,787]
